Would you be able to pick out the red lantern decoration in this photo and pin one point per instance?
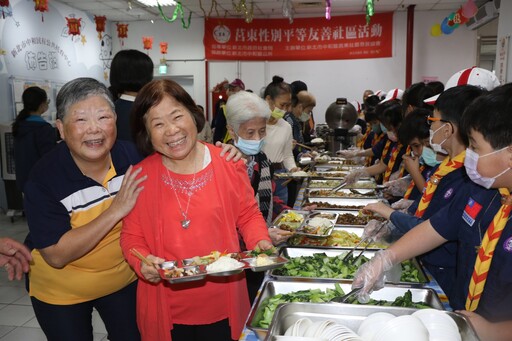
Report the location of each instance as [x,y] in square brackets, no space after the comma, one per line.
[100,24]
[4,3]
[41,6]
[147,42]
[74,25]
[460,18]
[122,32]
[163,47]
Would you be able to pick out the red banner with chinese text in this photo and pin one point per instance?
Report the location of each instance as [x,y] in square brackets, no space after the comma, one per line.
[345,37]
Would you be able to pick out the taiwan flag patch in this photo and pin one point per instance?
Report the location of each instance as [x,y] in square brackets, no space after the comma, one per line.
[471,211]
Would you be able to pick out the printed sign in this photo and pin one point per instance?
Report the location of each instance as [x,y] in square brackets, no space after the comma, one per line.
[345,37]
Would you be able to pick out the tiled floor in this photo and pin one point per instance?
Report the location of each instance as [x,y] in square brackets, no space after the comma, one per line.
[17,319]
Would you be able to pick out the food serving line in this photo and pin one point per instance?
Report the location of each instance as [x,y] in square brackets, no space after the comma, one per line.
[318,266]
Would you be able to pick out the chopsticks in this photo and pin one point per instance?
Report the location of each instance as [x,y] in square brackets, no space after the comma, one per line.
[141,257]
[303,146]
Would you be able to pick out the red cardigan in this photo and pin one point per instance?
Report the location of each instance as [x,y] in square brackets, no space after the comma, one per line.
[240,211]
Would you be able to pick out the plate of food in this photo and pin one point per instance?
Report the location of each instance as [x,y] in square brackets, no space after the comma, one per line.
[290,220]
[316,227]
[225,266]
[174,274]
[264,262]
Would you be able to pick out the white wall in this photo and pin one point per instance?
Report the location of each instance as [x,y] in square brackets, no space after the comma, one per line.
[505,29]
[433,57]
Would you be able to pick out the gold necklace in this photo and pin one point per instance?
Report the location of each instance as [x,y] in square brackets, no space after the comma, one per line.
[185,223]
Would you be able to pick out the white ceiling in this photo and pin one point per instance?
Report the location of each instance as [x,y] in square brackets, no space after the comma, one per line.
[131,10]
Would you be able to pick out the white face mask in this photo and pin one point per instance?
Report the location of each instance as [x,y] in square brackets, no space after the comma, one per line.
[304,117]
[438,148]
[471,164]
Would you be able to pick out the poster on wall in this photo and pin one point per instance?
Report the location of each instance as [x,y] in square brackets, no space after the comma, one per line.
[503,59]
[344,37]
[51,49]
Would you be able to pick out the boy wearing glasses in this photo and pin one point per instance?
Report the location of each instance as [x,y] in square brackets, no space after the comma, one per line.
[479,222]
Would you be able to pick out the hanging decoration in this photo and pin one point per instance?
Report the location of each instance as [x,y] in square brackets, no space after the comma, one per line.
[370,11]
[241,8]
[163,48]
[122,32]
[214,6]
[202,9]
[288,10]
[177,11]
[147,42]
[100,24]
[455,19]
[4,3]
[41,6]
[74,25]
[328,9]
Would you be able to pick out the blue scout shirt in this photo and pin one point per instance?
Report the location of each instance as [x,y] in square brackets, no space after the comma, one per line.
[441,261]
[466,220]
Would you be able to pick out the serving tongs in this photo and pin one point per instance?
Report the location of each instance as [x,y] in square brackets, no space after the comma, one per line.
[344,298]
[367,240]
[340,186]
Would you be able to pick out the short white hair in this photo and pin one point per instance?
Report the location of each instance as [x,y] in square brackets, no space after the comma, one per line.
[244,106]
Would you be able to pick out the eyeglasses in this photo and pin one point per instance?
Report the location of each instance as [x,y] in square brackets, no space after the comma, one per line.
[431,119]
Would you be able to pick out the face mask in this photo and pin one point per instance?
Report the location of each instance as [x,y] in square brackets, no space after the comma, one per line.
[278,113]
[471,163]
[304,117]
[429,157]
[438,148]
[383,129]
[392,136]
[376,128]
[249,147]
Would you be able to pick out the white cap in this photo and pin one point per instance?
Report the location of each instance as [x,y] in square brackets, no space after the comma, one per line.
[379,93]
[393,94]
[476,76]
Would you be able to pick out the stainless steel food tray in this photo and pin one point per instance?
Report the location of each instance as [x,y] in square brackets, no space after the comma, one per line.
[388,293]
[322,184]
[344,193]
[349,315]
[342,203]
[294,252]
[335,166]
[278,221]
[317,243]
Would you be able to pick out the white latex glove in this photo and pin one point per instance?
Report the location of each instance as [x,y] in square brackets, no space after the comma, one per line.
[397,188]
[370,276]
[376,230]
[347,153]
[355,175]
[402,204]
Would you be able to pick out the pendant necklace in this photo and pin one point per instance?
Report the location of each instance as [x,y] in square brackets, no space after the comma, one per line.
[185,223]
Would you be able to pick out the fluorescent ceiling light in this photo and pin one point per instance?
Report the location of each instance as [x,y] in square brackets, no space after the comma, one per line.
[154,3]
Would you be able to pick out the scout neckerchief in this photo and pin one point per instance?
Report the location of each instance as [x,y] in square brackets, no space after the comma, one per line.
[402,165]
[486,251]
[412,184]
[392,160]
[446,167]
[376,139]
[361,142]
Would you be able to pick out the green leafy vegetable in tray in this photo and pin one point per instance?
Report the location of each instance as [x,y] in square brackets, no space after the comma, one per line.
[269,305]
[319,265]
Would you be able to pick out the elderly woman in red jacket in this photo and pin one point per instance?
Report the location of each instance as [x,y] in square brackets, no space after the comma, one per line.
[193,203]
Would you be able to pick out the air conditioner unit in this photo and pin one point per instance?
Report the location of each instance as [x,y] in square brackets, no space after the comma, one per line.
[489,11]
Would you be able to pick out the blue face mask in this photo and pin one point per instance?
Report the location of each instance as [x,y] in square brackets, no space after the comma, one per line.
[384,130]
[429,157]
[376,128]
[249,147]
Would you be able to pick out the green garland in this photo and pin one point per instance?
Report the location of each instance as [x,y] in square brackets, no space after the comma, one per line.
[177,10]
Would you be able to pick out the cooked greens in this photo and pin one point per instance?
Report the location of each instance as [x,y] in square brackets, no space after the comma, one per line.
[319,265]
[269,305]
